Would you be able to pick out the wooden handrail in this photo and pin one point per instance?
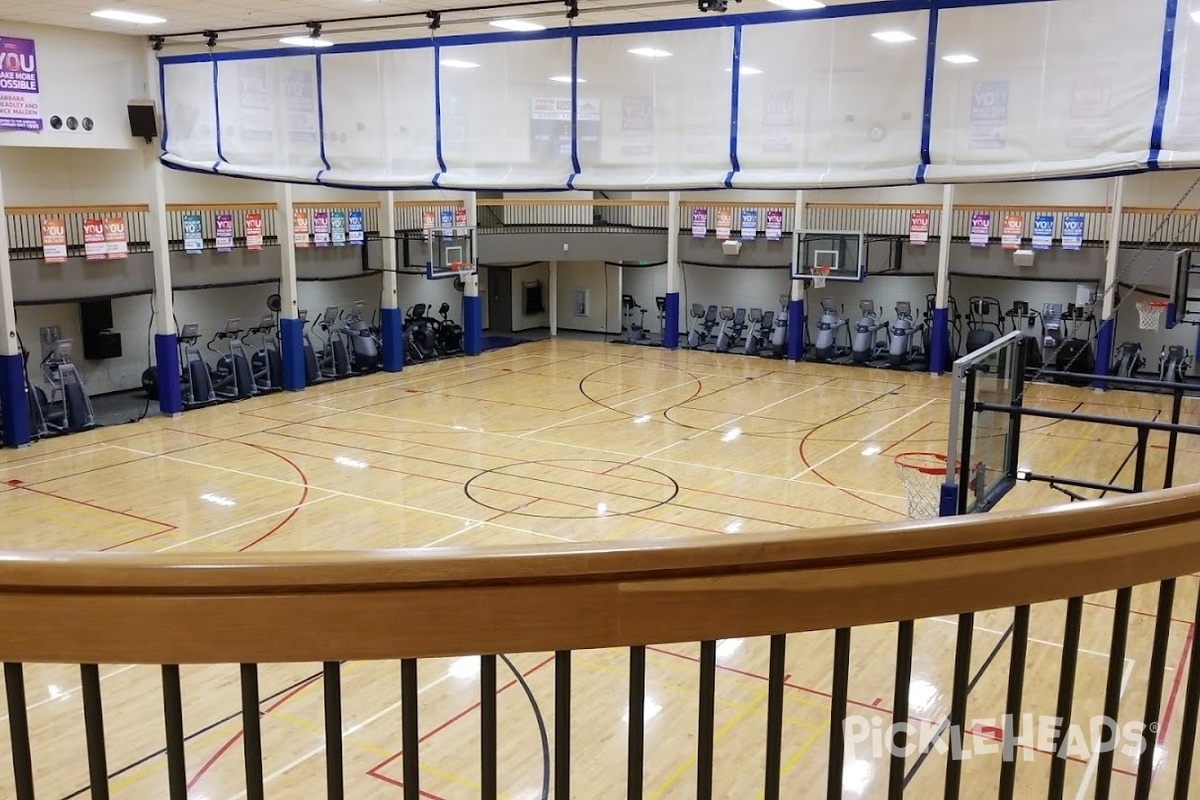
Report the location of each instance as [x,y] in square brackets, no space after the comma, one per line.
[107,608]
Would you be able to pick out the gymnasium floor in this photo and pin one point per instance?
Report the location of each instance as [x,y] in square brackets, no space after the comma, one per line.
[548,442]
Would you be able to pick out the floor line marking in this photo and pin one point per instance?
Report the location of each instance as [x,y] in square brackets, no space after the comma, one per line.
[858,442]
[235,526]
[1033,639]
[1094,761]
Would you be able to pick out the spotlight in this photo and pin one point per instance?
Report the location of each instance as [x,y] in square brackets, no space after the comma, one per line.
[157,42]
[435,19]
[210,38]
[572,9]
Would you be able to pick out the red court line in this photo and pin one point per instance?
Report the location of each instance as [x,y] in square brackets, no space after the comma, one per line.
[374,771]
[96,507]
[233,739]
[171,529]
[295,508]
[1161,735]
[844,490]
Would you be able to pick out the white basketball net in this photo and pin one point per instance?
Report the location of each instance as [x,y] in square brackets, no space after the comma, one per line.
[819,275]
[1150,314]
[922,475]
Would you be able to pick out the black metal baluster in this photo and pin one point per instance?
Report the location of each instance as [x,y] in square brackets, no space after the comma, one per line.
[18,730]
[1172,439]
[774,765]
[410,735]
[252,732]
[487,726]
[837,712]
[93,724]
[707,715]
[904,652]
[958,703]
[1139,462]
[637,721]
[1154,685]
[335,787]
[562,724]
[1066,695]
[1191,709]
[173,720]
[1012,704]
[1112,687]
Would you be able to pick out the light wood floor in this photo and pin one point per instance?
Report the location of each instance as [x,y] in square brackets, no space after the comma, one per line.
[550,442]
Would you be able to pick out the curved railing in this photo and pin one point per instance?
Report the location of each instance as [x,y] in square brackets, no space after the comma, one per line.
[410,604]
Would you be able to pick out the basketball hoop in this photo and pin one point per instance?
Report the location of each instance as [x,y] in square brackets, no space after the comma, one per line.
[922,475]
[819,274]
[458,266]
[1150,313]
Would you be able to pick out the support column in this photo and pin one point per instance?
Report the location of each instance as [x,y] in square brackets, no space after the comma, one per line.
[391,324]
[166,342]
[1108,325]
[941,356]
[795,312]
[472,303]
[13,396]
[670,331]
[553,298]
[291,329]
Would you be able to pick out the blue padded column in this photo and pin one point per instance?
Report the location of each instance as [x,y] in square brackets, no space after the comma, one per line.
[472,324]
[671,321]
[14,400]
[291,340]
[948,507]
[166,360]
[939,341]
[391,328]
[1104,350]
[795,330]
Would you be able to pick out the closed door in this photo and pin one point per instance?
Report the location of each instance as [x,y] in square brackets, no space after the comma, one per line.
[500,311]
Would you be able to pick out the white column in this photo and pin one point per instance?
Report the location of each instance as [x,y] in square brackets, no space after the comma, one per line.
[945,233]
[160,248]
[8,312]
[1114,248]
[387,236]
[287,254]
[553,298]
[798,228]
[471,282]
[673,242]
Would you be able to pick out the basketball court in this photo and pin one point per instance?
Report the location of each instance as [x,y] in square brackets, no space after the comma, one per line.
[549,442]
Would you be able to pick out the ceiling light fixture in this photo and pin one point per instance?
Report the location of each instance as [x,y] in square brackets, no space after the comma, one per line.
[649,52]
[1196,16]
[960,58]
[745,69]
[798,5]
[128,16]
[894,37]
[519,25]
[305,41]
[566,79]
[454,63]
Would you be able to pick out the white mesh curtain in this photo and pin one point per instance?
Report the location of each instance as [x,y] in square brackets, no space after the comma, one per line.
[270,126]
[664,103]
[379,118]
[1181,120]
[825,103]
[190,115]
[1061,88]
[503,110]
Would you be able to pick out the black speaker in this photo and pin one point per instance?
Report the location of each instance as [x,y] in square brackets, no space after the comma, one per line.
[143,121]
[95,316]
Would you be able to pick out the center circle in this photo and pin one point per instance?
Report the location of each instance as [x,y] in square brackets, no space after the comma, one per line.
[571,488]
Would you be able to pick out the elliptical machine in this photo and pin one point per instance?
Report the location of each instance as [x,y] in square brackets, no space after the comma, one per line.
[825,346]
[1130,360]
[905,338]
[982,329]
[1174,363]
[334,358]
[266,364]
[777,347]
[364,348]
[195,379]
[420,341]
[865,344]
[1075,354]
[449,334]
[68,408]
[1023,318]
[231,377]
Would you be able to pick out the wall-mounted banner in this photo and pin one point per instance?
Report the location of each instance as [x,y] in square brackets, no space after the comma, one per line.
[774,225]
[54,240]
[321,228]
[427,218]
[193,233]
[981,228]
[354,226]
[20,107]
[989,115]
[1043,231]
[337,228]
[446,223]
[918,228]
[94,247]
[1012,231]
[116,240]
[460,220]
[300,228]
[699,222]
[749,223]
[724,222]
[224,223]
[254,231]
[1072,234]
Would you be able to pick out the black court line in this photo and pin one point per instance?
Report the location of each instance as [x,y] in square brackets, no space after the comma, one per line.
[541,723]
[946,720]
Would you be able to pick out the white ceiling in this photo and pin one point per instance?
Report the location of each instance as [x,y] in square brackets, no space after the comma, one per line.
[198,15]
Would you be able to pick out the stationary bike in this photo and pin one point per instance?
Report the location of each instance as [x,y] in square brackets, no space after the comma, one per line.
[703,322]
[761,324]
[634,332]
